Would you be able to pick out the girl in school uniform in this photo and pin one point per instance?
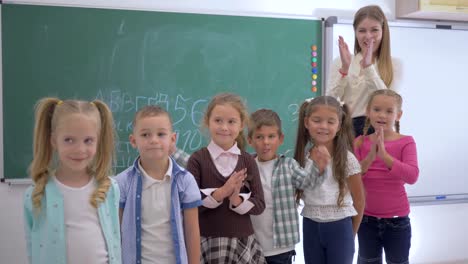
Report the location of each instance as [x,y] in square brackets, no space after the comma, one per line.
[230,184]
[71,211]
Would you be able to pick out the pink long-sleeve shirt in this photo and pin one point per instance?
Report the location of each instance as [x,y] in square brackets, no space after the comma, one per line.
[385,191]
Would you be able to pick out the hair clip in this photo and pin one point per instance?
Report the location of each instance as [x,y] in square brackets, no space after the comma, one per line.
[59,102]
[92,103]
[308,100]
[340,102]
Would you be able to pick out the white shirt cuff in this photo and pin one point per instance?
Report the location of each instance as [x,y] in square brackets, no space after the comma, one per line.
[209,201]
[245,206]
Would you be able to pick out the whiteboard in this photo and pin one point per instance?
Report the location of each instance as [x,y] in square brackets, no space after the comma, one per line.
[434,87]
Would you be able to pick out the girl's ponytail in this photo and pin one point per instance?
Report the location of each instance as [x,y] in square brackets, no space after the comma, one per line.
[105,155]
[42,148]
[302,138]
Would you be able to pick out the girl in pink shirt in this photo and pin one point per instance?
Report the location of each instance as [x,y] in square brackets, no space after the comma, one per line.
[388,161]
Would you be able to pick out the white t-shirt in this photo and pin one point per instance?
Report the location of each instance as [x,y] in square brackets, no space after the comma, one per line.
[83,233]
[263,223]
[157,245]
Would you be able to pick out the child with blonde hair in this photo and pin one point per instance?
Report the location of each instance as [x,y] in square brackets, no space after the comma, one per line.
[159,199]
[71,211]
[389,161]
[333,210]
[230,184]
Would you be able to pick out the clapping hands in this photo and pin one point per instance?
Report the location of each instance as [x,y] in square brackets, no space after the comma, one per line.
[345,55]
[367,54]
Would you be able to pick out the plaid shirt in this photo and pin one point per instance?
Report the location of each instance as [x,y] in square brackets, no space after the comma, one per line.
[288,176]
[181,157]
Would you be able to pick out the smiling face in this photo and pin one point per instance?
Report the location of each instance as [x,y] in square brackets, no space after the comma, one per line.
[383,112]
[322,124]
[369,29]
[224,124]
[75,140]
[266,141]
[153,137]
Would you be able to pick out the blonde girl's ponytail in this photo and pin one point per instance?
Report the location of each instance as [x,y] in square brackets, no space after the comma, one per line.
[42,148]
[105,155]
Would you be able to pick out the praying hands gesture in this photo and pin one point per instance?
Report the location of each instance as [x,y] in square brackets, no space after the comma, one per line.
[380,148]
[232,187]
[377,150]
[235,198]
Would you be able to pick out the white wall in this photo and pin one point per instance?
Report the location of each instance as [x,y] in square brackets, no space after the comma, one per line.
[439,232]
[12,242]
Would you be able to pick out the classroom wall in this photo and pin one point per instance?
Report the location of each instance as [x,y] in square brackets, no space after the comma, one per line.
[439,231]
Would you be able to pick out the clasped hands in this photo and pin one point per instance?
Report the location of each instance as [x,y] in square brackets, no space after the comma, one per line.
[232,188]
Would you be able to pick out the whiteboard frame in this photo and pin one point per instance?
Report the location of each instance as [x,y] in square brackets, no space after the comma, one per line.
[328,59]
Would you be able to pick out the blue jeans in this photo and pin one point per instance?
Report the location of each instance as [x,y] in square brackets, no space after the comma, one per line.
[390,234]
[283,258]
[330,243]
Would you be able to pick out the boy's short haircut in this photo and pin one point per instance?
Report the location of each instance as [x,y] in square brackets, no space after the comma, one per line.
[264,117]
[148,111]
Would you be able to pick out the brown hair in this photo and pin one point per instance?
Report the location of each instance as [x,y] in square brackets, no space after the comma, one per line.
[49,113]
[237,103]
[387,92]
[149,111]
[384,58]
[264,117]
[342,143]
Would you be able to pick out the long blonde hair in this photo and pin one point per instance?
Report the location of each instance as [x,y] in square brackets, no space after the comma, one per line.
[49,112]
[342,143]
[384,58]
[237,103]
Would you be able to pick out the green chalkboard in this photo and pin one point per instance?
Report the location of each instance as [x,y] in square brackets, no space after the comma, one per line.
[133,58]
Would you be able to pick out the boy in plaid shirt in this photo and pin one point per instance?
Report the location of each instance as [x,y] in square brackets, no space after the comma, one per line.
[277,228]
